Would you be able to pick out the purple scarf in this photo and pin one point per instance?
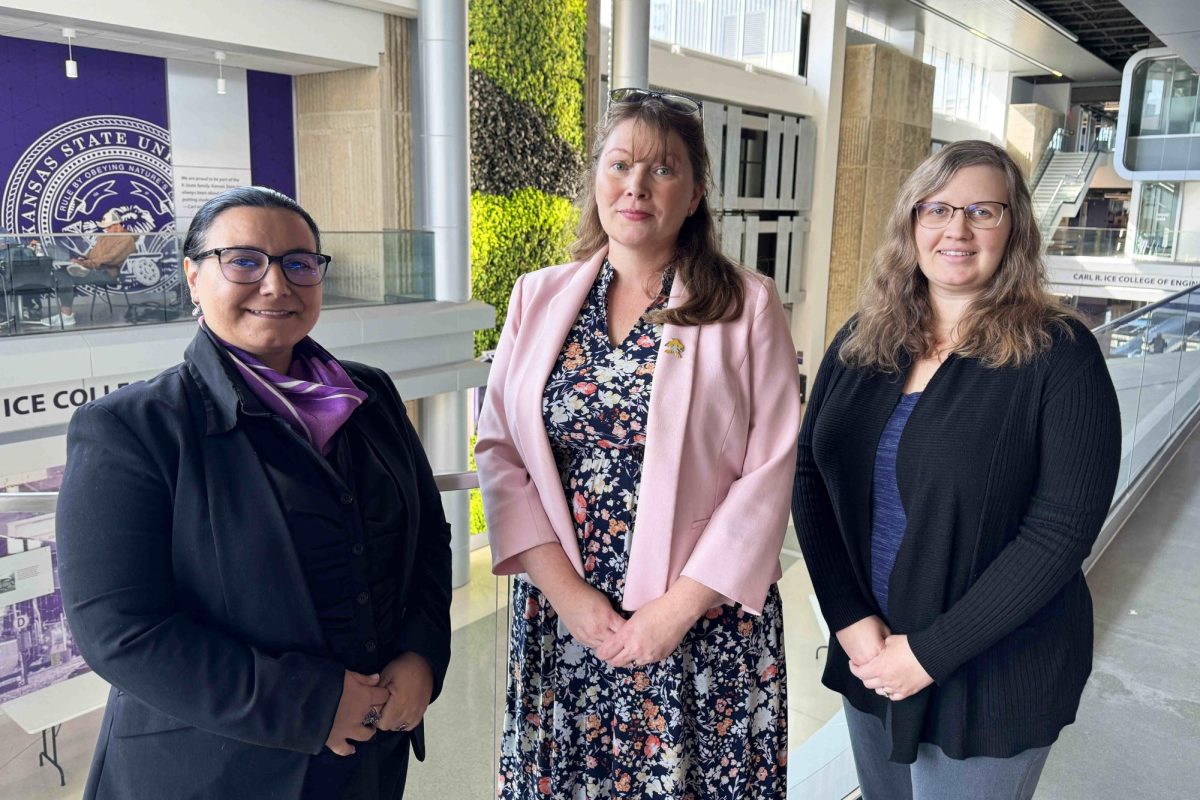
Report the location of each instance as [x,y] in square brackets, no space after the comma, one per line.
[315,398]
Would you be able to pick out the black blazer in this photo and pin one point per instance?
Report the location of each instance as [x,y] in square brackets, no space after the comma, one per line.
[183,589]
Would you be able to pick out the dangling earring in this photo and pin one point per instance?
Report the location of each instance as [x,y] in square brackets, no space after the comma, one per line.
[196,310]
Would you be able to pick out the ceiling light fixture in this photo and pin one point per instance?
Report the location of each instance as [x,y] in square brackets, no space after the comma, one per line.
[71,67]
[1041,17]
[982,35]
[220,56]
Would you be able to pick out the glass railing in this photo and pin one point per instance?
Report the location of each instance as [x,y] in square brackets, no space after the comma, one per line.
[1174,246]
[1180,246]
[1068,241]
[1153,356]
[119,279]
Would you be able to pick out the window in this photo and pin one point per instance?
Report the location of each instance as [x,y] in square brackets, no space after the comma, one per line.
[752,172]
[1157,212]
[959,87]
[765,262]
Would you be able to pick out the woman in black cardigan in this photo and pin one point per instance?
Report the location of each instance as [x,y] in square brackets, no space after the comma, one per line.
[957,459]
[251,545]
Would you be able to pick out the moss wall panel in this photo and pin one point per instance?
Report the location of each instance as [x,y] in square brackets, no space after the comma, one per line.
[528,76]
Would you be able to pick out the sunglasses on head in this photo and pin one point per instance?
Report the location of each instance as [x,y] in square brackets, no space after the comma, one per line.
[675,102]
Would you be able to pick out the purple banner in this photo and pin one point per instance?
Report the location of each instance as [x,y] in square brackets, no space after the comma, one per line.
[272,141]
[88,155]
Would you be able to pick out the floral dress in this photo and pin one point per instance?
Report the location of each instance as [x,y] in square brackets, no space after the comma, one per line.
[707,722]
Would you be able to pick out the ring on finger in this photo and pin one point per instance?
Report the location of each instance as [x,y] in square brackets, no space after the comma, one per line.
[372,717]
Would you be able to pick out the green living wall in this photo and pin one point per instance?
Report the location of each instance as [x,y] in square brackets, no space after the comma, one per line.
[527,72]
[527,131]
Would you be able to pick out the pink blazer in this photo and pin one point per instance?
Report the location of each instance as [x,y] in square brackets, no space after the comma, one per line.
[720,448]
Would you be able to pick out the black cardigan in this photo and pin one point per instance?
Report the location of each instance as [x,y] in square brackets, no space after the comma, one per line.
[1006,475]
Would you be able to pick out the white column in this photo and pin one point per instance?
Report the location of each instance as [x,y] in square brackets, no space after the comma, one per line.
[630,44]
[911,43]
[442,54]
[826,67]
[444,436]
[442,51]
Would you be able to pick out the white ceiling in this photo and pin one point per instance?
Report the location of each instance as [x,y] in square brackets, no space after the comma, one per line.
[1175,22]
[1002,21]
[24,25]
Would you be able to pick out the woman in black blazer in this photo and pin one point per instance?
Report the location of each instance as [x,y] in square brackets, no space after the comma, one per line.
[956,462]
[251,546]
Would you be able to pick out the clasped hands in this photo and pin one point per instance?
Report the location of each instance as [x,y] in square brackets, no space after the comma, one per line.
[651,634]
[393,699]
[882,661]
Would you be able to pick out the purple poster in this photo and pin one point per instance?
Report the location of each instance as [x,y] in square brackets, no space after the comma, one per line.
[80,157]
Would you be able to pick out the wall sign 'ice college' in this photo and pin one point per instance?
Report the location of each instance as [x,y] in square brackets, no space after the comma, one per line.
[71,176]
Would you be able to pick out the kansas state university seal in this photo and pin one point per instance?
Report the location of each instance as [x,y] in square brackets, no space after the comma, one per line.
[70,178]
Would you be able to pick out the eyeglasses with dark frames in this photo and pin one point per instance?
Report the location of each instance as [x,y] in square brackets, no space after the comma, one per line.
[635,96]
[984,215]
[250,265]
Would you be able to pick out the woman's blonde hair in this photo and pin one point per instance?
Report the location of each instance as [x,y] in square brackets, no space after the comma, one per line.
[1008,324]
[715,290]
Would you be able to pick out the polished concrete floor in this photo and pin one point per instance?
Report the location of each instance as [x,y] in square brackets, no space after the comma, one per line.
[1138,730]
[1138,733]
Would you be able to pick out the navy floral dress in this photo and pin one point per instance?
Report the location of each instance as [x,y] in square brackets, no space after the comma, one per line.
[707,722]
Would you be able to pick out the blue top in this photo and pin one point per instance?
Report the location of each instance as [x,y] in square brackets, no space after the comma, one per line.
[888,519]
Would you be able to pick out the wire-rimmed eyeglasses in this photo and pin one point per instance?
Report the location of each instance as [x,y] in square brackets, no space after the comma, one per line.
[250,265]
[635,96]
[978,215]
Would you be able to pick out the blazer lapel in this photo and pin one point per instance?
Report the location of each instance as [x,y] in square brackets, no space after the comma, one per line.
[550,326]
[250,530]
[666,429]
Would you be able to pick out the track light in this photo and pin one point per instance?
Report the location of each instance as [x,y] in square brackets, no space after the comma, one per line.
[220,56]
[71,67]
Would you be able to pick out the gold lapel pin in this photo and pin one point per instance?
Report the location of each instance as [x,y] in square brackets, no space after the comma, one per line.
[674,347]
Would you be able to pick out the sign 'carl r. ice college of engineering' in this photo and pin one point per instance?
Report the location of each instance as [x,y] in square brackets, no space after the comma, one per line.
[74,174]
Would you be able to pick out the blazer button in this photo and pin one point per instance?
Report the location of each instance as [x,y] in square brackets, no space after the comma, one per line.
[357,549]
[347,499]
[370,645]
[362,598]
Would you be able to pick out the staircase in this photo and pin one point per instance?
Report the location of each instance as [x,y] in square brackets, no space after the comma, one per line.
[1060,183]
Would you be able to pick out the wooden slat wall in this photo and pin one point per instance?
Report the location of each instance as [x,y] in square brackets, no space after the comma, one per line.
[354,153]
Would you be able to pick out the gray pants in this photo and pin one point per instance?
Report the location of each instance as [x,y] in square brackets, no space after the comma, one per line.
[934,775]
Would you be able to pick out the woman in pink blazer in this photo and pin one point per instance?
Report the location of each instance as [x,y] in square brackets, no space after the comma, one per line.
[636,452]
